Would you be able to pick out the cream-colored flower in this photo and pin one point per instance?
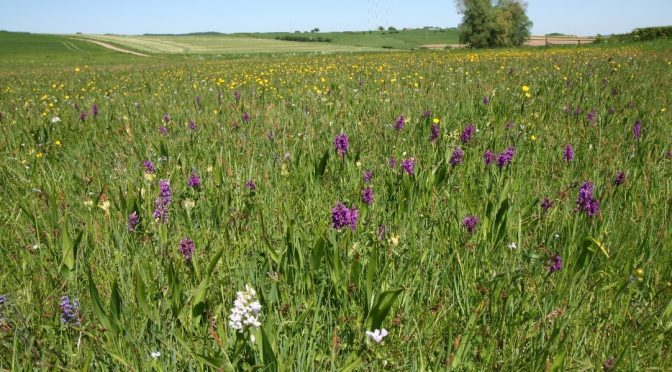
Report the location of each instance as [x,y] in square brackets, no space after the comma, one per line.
[394,240]
[189,204]
[105,206]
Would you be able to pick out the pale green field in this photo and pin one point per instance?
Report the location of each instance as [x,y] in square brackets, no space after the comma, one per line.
[218,44]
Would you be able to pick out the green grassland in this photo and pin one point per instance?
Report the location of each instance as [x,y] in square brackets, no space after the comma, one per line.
[83,287]
[402,39]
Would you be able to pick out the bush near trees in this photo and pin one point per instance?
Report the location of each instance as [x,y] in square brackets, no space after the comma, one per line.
[487,25]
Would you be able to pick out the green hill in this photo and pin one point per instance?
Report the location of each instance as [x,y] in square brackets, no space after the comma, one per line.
[31,50]
[402,39]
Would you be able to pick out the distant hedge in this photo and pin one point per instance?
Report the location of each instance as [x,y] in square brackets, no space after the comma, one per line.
[639,34]
[651,33]
[304,39]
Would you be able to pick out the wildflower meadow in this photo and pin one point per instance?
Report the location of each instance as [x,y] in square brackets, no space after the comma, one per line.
[427,210]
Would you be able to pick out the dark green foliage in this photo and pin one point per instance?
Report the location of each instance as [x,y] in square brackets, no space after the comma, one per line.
[487,26]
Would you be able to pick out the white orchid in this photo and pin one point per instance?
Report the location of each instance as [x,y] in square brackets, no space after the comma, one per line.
[377,335]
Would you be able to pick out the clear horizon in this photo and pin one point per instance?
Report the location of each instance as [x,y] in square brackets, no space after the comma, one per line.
[587,17]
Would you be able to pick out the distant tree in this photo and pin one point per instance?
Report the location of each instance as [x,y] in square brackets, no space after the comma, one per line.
[381,28]
[315,30]
[391,28]
[485,25]
[519,28]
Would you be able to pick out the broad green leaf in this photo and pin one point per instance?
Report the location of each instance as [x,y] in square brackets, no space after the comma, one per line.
[141,295]
[382,307]
[322,165]
[115,300]
[98,307]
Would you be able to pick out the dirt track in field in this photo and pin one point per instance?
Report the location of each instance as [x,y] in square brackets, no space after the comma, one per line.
[115,48]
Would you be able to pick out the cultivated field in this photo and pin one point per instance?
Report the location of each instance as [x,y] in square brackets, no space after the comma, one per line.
[217,44]
[427,210]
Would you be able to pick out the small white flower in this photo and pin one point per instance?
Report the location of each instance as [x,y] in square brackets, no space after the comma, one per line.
[55,120]
[512,245]
[377,335]
[155,354]
[255,307]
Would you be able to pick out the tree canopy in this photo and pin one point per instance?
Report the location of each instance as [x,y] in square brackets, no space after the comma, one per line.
[487,25]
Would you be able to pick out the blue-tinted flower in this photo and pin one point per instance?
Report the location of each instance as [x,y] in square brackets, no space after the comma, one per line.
[506,157]
[408,165]
[94,111]
[367,176]
[399,124]
[467,133]
[149,167]
[166,118]
[592,115]
[82,116]
[546,204]
[392,162]
[427,114]
[456,157]
[568,153]
[470,223]
[69,311]
[341,143]
[488,157]
[554,264]
[246,117]
[637,129]
[434,132]
[382,231]
[486,100]
[194,180]
[367,195]
[619,178]
[163,201]
[133,221]
[342,216]
[586,202]
[192,125]
[163,130]
[250,185]
[186,248]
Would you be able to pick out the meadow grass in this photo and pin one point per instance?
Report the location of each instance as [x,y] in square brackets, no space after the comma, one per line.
[76,139]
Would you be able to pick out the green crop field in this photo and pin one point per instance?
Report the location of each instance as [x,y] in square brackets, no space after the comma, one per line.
[417,210]
[218,44]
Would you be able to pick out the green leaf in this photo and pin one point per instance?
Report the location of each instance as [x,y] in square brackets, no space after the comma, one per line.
[115,301]
[141,295]
[371,271]
[97,306]
[322,165]
[558,362]
[215,362]
[202,291]
[318,252]
[382,307]
[69,252]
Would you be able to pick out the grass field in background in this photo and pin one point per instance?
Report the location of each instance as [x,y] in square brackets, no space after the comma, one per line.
[516,215]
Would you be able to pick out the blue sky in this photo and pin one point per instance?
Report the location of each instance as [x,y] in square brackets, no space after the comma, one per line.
[581,17]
